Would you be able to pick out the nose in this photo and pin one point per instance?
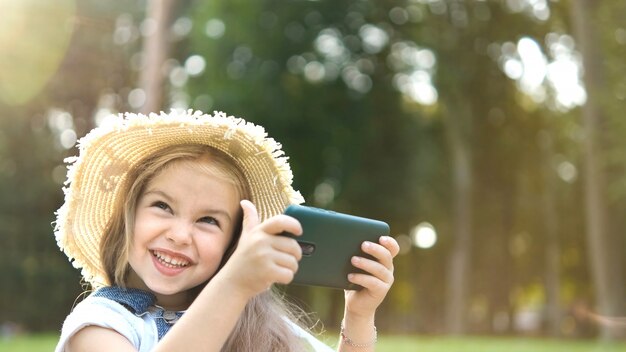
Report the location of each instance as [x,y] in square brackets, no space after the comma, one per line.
[180,233]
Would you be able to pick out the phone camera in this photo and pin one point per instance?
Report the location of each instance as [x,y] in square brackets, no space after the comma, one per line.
[307,248]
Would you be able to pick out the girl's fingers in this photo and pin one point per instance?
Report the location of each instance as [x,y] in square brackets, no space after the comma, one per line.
[250,216]
[273,226]
[283,275]
[383,255]
[369,282]
[378,271]
[286,261]
[391,244]
[287,245]
[283,268]
[281,223]
[373,268]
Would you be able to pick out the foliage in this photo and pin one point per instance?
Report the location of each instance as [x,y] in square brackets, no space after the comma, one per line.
[358,141]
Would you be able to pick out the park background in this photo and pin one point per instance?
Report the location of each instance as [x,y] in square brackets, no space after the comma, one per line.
[489,135]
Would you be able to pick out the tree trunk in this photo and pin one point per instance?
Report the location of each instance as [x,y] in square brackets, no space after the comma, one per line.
[156,47]
[605,265]
[552,253]
[459,259]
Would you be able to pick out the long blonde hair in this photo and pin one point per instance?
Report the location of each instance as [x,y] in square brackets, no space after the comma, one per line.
[262,326]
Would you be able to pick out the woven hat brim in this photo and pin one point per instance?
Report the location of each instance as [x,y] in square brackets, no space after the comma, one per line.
[96,177]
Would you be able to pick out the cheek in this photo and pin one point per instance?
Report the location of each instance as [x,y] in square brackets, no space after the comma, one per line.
[212,250]
[144,227]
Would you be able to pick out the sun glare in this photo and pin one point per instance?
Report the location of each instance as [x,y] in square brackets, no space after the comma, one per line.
[33,39]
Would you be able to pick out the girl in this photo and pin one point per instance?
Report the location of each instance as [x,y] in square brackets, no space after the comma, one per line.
[179,213]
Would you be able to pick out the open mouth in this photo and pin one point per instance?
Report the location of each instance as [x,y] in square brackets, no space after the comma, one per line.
[170,261]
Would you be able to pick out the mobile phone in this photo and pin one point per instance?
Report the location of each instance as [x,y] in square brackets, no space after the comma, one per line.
[329,240]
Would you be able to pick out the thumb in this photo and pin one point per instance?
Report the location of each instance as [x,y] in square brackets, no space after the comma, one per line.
[250,216]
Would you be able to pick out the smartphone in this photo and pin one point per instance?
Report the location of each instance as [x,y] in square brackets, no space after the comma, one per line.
[329,240]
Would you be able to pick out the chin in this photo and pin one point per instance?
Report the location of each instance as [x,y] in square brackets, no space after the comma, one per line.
[165,289]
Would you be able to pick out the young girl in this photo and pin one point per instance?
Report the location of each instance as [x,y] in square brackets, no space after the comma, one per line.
[179,213]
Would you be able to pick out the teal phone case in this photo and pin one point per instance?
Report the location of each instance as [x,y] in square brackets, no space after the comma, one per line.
[328,242]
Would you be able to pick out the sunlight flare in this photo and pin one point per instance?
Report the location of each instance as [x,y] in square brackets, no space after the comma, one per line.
[34,37]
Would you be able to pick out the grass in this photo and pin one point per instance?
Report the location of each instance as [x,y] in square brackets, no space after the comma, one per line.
[491,344]
[29,343]
[46,343]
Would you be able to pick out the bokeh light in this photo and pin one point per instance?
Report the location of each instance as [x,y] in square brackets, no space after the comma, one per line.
[424,235]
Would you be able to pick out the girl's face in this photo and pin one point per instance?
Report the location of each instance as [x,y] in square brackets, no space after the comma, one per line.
[184,223]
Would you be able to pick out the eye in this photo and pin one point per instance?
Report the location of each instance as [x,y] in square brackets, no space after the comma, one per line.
[161,205]
[209,220]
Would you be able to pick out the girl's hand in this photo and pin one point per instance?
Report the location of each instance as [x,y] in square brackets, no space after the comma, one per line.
[262,257]
[376,282]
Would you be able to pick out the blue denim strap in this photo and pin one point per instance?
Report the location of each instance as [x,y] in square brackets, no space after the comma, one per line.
[140,302]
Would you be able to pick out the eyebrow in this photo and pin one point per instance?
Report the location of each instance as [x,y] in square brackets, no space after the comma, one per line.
[158,193]
[210,211]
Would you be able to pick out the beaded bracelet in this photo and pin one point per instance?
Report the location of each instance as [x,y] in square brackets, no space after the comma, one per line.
[350,342]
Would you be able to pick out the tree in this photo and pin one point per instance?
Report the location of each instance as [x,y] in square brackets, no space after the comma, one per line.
[156,50]
[329,81]
[606,266]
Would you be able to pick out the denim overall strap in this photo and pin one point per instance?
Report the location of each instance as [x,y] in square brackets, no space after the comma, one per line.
[136,301]
[140,302]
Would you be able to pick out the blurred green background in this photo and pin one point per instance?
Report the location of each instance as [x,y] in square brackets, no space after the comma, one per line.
[489,135]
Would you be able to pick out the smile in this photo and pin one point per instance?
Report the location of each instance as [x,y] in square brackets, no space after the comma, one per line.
[170,261]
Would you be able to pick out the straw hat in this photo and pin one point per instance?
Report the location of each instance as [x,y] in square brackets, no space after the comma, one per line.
[96,176]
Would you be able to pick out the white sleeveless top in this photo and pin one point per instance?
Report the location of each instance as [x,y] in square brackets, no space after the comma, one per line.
[140,330]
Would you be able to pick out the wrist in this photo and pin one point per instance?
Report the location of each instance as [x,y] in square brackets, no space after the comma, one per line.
[358,320]
[359,339]
[227,283]
[358,331]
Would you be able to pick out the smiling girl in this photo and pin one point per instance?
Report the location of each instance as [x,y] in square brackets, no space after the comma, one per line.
[174,220]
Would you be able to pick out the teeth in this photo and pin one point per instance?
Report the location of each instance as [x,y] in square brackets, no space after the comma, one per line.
[169,260]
